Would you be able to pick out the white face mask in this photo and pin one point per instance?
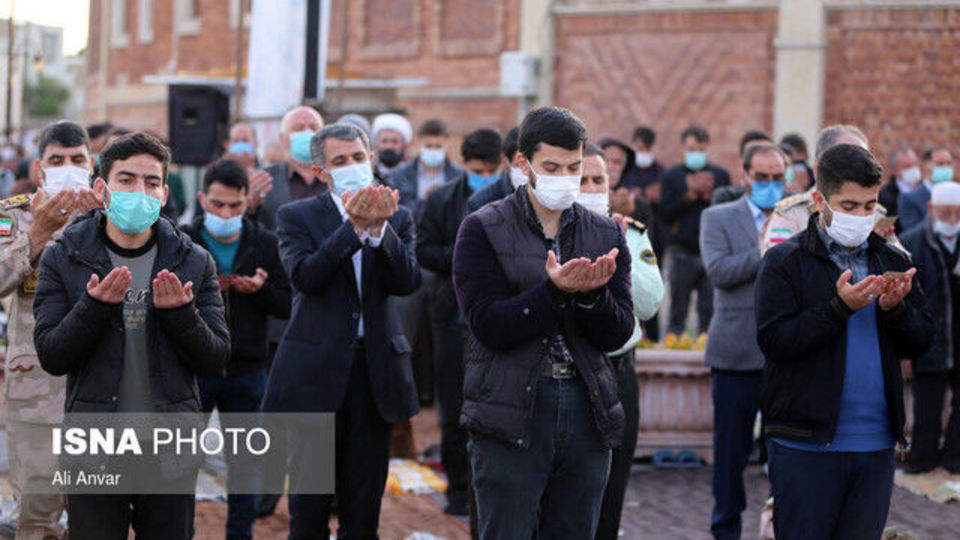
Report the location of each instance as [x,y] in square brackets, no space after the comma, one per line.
[517,178]
[432,157]
[595,202]
[946,230]
[643,159]
[556,192]
[64,177]
[911,176]
[849,230]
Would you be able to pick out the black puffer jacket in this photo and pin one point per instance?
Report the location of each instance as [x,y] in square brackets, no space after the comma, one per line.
[802,331]
[82,338]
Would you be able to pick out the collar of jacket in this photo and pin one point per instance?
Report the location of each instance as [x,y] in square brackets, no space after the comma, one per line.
[569,217]
[815,246]
[82,243]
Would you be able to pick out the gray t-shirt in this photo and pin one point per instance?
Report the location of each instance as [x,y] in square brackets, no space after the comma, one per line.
[134,395]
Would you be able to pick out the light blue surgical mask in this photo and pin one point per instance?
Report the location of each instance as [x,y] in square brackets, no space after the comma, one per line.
[695,160]
[132,212]
[300,145]
[242,147]
[477,182]
[352,178]
[219,227]
[941,174]
[789,174]
[766,195]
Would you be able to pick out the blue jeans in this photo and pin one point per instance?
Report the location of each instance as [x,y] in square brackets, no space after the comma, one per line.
[236,394]
[830,495]
[736,399]
[554,488]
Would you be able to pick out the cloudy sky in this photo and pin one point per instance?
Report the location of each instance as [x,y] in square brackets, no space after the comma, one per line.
[71,15]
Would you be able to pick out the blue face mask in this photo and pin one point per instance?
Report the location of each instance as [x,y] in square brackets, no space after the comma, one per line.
[300,145]
[766,195]
[132,213]
[695,160]
[477,182]
[351,178]
[222,228]
[241,147]
[941,174]
[789,174]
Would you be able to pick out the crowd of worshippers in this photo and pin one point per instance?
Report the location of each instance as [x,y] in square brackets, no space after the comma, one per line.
[367,269]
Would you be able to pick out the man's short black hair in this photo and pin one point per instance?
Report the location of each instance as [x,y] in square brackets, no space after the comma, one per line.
[510,142]
[551,125]
[765,148]
[697,132]
[750,136]
[646,135]
[99,130]
[433,127]
[482,144]
[65,133]
[592,150]
[131,145]
[847,163]
[227,172]
[796,142]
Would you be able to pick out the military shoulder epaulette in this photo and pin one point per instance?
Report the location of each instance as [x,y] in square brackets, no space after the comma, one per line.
[790,201]
[636,224]
[15,202]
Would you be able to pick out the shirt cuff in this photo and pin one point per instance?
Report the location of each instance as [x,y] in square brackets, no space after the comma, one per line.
[374,241]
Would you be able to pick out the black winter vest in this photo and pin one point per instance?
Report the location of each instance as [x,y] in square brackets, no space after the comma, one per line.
[499,386]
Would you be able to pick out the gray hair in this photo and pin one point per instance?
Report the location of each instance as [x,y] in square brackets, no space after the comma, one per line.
[830,135]
[339,131]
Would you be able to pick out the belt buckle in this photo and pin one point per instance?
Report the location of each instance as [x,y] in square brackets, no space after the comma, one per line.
[562,370]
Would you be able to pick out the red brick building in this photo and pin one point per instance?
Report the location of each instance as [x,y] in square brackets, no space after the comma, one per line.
[731,65]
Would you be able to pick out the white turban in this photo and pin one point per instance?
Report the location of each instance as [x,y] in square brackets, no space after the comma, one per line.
[945,194]
[395,122]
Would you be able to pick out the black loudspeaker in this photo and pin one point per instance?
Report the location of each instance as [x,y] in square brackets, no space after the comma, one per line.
[199,120]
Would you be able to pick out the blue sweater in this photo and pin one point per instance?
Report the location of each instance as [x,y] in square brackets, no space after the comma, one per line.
[863,424]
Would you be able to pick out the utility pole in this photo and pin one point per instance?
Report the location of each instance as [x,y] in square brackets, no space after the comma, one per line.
[8,129]
[238,83]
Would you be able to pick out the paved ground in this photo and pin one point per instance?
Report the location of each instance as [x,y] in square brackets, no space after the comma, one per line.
[660,505]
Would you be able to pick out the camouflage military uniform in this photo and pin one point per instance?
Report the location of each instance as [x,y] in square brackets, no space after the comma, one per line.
[34,399]
[792,215]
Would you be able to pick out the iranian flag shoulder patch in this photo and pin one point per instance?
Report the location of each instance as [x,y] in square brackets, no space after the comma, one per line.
[780,234]
[6,226]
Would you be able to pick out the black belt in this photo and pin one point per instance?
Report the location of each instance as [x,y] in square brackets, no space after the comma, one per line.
[559,370]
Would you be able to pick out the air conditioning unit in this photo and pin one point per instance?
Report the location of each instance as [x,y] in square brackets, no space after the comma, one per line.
[518,74]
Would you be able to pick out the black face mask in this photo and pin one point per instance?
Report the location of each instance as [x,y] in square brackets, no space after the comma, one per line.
[389,157]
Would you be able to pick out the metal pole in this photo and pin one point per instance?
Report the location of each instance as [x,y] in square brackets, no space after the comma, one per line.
[342,64]
[238,83]
[8,129]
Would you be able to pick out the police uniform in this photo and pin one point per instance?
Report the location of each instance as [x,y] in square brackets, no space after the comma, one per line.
[792,215]
[34,398]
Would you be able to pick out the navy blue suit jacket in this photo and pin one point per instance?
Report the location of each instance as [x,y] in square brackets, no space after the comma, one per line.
[312,364]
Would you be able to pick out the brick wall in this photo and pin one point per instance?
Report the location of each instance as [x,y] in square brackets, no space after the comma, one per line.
[894,73]
[668,70]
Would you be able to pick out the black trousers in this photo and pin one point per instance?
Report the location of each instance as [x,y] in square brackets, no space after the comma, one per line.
[612,505]
[830,495]
[448,343]
[736,399]
[362,460]
[153,517]
[929,391]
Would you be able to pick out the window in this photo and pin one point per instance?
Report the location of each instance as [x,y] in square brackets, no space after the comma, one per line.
[118,23]
[187,17]
[145,21]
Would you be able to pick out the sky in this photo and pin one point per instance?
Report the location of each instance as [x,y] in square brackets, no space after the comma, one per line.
[71,15]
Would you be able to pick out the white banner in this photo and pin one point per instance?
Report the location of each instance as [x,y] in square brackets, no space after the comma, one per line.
[275,67]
